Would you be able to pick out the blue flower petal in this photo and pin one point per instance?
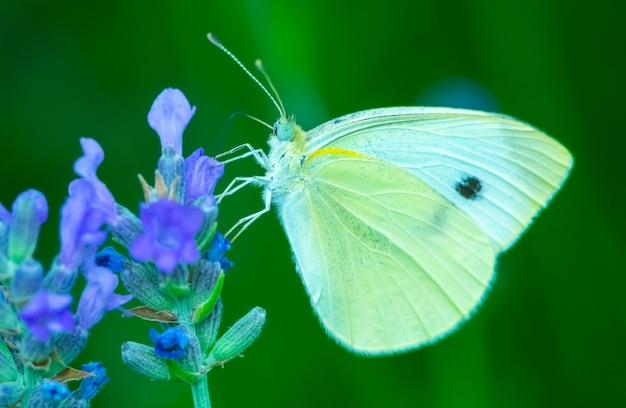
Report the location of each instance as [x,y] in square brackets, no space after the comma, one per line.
[169,116]
[170,344]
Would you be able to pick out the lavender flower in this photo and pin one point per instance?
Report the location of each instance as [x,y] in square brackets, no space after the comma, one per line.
[169,116]
[99,297]
[89,206]
[54,391]
[176,230]
[201,175]
[169,344]
[111,259]
[90,386]
[177,272]
[35,308]
[47,313]
[179,234]
[86,166]
[219,246]
[169,234]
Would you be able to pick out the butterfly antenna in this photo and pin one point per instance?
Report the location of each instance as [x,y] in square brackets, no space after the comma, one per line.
[230,120]
[219,45]
[259,66]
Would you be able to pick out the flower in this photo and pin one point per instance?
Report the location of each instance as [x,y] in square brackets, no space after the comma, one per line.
[86,166]
[170,344]
[110,258]
[219,246]
[47,313]
[168,237]
[81,225]
[169,116]
[54,391]
[98,296]
[89,206]
[201,175]
[90,386]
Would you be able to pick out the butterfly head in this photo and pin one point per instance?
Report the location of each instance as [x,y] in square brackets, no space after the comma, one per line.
[287,130]
[284,129]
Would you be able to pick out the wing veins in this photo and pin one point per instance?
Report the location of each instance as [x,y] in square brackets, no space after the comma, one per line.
[418,242]
[326,269]
[358,240]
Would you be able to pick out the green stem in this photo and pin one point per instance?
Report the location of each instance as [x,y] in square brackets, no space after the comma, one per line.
[200,392]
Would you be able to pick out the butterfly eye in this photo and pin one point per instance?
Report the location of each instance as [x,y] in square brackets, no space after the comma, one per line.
[284,130]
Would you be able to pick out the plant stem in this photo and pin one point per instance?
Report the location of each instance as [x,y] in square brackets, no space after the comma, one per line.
[200,392]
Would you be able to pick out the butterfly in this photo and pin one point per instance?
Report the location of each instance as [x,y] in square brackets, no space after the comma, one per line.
[396,216]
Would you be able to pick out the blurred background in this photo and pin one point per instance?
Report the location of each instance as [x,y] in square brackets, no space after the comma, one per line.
[551,332]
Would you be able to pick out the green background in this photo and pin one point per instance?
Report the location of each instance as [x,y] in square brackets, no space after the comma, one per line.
[551,332]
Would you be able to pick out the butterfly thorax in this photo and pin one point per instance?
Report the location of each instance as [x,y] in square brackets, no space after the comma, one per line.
[286,157]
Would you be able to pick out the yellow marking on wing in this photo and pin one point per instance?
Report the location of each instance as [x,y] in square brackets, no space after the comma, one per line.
[336,150]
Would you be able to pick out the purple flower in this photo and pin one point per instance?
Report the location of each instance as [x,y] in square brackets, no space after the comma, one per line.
[47,313]
[86,166]
[81,225]
[168,237]
[90,386]
[89,206]
[169,116]
[98,296]
[170,344]
[201,175]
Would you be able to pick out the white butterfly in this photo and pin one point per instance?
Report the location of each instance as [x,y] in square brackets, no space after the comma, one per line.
[396,216]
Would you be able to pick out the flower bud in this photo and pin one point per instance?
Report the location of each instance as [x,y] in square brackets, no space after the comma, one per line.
[143,360]
[142,280]
[11,393]
[69,344]
[208,328]
[49,394]
[238,338]
[126,228]
[8,318]
[8,370]
[59,279]
[30,210]
[27,280]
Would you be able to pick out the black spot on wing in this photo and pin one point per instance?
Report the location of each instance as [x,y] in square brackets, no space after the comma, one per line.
[469,187]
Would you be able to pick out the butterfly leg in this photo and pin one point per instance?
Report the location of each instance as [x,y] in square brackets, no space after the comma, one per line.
[258,154]
[245,222]
[238,183]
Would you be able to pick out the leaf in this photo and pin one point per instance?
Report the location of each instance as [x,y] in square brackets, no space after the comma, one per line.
[147,313]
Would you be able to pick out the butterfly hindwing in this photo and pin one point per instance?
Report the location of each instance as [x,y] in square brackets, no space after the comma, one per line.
[389,266]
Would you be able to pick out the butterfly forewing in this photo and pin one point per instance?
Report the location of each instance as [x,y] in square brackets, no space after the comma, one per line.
[498,170]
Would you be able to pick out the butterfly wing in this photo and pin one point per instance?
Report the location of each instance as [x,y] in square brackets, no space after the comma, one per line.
[496,169]
[389,264]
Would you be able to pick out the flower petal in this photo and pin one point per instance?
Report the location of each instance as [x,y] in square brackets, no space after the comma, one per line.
[169,116]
